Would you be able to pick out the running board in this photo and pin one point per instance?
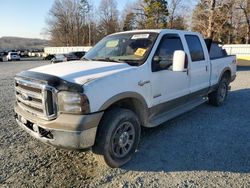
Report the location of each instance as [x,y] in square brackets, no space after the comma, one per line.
[161,118]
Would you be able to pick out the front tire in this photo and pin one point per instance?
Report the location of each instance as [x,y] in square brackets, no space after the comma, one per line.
[218,97]
[117,137]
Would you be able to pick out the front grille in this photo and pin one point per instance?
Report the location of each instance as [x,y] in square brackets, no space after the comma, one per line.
[37,99]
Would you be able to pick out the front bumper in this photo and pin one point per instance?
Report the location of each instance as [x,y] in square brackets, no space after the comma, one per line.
[67,131]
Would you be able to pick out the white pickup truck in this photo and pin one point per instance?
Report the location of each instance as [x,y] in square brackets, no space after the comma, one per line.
[128,80]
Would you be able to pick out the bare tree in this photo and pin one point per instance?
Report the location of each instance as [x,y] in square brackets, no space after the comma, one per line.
[67,22]
[215,20]
[200,18]
[211,19]
[244,5]
[74,22]
[108,17]
[140,16]
[173,6]
[128,17]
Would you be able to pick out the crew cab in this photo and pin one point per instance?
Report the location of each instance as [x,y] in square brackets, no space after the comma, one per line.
[127,81]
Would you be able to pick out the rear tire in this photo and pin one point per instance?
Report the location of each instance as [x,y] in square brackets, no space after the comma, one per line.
[117,137]
[218,97]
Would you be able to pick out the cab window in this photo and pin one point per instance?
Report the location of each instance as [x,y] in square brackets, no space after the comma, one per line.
[195,48]
[163,58]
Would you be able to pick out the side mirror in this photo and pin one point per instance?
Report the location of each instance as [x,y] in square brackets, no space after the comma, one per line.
[179,61]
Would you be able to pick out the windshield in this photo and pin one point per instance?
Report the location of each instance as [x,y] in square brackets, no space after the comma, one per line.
[131,48]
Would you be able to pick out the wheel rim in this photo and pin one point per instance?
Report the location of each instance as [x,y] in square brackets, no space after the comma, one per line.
[123,139]
[223,92]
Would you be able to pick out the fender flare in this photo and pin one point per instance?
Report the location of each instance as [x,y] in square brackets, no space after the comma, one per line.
[121,96]
[141,107]
[222,73]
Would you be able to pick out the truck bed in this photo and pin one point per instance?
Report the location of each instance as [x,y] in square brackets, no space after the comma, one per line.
[217,66]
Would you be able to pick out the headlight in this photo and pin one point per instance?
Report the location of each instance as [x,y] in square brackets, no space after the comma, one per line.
[75,103]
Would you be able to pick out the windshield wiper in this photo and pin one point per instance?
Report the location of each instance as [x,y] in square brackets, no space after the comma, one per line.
[105,59]
[129,61]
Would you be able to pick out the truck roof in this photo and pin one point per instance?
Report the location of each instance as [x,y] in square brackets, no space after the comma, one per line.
[159,31]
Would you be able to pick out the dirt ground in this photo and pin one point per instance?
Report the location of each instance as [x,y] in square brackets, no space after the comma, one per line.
[206,147]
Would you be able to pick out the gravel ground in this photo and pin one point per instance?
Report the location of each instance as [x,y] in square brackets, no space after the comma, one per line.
[206,147]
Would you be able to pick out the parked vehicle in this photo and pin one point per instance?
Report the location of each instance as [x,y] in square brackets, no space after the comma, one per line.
[49,57]
[23,53]
[64,57]
[78,54]
[127,81]
[1,56]
[13,56]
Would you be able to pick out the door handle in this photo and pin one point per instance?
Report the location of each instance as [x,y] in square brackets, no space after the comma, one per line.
[142,83]
[206,68]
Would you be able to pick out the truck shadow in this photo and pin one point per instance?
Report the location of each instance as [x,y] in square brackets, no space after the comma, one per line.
[205,139]
[243,68]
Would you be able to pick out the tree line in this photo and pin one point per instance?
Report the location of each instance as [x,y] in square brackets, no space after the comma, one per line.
[79,22]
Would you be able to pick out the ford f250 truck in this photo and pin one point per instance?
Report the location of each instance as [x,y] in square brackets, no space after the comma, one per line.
[127,81]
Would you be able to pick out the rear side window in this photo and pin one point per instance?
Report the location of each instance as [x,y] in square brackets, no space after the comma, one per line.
[195,48]
[216,51]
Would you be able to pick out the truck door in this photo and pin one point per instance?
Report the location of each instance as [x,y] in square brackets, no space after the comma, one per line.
[169,89]
[199,66]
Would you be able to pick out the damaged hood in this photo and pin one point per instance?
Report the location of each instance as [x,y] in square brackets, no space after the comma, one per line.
[81,72]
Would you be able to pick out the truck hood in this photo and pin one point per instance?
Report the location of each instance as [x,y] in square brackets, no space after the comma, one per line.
[81,72]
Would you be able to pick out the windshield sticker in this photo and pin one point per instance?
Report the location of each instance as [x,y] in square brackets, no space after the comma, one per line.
[140,52]
[140,36]
[112,43]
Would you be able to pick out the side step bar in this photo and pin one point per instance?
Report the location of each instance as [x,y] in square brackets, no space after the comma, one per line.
[161,118]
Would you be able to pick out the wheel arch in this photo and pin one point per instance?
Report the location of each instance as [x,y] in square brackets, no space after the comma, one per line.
[129,100]
[225,72]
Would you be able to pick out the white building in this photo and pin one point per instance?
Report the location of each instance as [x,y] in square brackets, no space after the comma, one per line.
[242,51]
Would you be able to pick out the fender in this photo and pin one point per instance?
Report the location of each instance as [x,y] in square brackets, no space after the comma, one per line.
[124,95]
[214,87]
[223,71]
[139,104]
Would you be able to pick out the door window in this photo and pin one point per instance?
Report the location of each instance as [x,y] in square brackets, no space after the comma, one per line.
[195,48]
[163,58]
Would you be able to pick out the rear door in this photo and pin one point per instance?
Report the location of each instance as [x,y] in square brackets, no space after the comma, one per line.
[199,65]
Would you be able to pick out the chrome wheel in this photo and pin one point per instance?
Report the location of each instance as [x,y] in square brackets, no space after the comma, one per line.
[123,139]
